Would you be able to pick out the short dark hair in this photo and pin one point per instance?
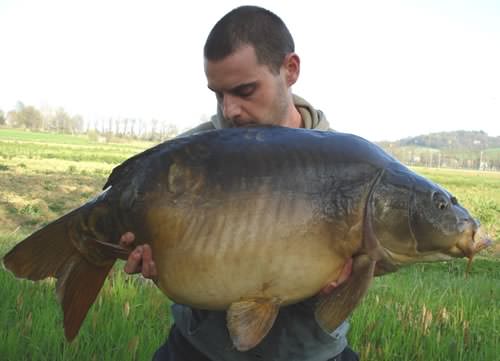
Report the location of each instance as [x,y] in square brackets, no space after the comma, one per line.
[255,26]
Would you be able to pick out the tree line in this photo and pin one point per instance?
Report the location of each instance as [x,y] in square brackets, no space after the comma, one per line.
[466,149]
[459,158]
[457,149]
[459,139]
[60,121]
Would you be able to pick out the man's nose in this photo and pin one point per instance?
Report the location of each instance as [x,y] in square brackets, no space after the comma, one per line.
[230,107]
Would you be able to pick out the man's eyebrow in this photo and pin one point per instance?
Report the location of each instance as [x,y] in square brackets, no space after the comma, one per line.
[241,87]
[236,89]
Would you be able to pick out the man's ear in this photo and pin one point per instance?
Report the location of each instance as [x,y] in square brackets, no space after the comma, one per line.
[291,66]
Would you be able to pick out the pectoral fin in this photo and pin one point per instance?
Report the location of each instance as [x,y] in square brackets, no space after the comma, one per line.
[334,308]
[112,250]
[249,320]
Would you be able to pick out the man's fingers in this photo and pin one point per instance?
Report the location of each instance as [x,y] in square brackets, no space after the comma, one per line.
[344,275]
[140,260]
[134,261]
[149,270]
[148,265]
[346,272]
[328,288]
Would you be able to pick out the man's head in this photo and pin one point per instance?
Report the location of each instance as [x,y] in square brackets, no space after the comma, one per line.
[254,26]
[250,64]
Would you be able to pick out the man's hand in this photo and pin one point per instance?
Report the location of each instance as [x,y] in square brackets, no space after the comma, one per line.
[344,275]
[141,258]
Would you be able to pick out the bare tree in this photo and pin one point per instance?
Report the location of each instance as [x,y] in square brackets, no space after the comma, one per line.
[27,117]
[132,127]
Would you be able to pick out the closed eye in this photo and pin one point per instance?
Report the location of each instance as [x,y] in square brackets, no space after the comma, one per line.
[244,90]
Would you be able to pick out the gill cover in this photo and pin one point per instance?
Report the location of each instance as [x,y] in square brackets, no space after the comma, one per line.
[391,223]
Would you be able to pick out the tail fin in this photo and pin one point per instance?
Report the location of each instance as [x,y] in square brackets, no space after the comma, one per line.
[49,252]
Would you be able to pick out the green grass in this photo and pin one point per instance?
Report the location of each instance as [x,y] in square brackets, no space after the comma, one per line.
[431,312]
[111,153]
[128,321]
[19,135]
[423,312]
[27,136]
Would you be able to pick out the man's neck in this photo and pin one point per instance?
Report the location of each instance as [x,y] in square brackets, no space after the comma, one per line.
[294,120]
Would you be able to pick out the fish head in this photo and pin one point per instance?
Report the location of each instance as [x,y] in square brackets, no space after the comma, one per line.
[439,224]
[416,220]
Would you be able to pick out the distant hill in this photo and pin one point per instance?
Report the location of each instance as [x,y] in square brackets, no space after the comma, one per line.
[457,149]
[460,139]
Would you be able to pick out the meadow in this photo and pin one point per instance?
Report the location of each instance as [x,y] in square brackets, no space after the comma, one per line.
[423,312]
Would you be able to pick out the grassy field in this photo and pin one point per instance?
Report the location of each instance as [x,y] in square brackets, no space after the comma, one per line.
[424,312]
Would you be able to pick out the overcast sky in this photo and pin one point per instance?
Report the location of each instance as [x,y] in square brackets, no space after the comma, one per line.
[381,69]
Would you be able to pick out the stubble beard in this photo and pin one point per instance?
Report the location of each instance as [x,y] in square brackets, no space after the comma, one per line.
[279,114]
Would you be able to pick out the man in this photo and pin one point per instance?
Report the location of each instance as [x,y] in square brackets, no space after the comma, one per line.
[250,65]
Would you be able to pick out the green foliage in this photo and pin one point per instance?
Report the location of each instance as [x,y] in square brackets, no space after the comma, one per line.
[492,154]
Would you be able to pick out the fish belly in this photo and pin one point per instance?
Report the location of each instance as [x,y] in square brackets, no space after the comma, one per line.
[252,244]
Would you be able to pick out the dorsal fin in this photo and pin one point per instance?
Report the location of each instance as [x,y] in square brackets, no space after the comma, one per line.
[127,168]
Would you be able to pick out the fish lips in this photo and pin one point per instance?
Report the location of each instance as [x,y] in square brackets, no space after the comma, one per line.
[469,247]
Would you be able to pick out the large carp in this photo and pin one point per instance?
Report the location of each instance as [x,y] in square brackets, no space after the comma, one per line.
[248,220]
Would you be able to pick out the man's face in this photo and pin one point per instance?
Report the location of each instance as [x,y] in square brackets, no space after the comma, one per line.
[248,92]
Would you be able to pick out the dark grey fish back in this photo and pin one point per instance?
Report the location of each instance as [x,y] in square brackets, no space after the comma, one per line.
[235,149]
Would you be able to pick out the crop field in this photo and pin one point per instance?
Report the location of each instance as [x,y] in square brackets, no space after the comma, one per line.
[423,312]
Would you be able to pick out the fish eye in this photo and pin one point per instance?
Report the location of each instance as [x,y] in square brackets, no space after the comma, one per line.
[442,206]
[440,200]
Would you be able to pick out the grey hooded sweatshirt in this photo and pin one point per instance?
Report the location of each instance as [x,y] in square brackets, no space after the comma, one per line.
[295,335]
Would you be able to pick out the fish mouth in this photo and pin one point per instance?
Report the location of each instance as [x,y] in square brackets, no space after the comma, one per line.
[479,242]
[473,240]
[471,243]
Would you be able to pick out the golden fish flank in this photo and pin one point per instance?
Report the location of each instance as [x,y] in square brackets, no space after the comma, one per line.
[248,220]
